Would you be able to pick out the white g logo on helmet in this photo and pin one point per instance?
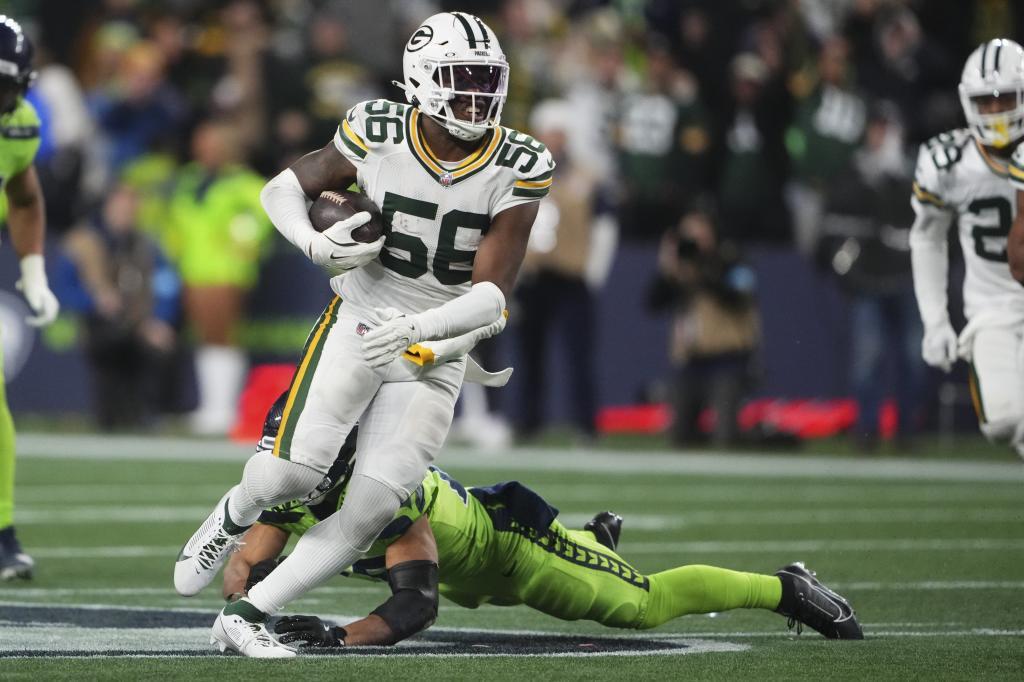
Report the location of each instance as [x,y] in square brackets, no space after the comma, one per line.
[456,73]
[992,92]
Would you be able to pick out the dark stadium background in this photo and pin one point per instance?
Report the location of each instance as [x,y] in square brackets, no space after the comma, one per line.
[806,326]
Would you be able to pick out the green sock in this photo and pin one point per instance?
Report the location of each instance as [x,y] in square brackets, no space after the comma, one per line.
[229,525]
[245,609]
[6,459]
[707,589]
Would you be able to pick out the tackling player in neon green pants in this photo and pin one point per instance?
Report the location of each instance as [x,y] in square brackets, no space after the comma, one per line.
[21,207]
[503,545]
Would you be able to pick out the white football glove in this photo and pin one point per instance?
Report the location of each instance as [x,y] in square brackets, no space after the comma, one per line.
[36,290]
[336,251]
[939,346]
[397,332]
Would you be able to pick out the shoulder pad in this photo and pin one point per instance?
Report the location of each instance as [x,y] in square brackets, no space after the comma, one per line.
[22,123]
[372,124]
[530,162]
[1016,167]
[946,149]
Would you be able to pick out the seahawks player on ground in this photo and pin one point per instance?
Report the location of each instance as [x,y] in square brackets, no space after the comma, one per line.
[21,208]
[503,545]
[961,175]
[459,195]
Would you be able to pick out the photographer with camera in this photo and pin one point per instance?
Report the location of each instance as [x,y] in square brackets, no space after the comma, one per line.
[715,329]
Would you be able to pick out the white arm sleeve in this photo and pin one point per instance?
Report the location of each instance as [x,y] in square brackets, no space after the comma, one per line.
[287,206]
[479,307]
[930,262]
[451,349]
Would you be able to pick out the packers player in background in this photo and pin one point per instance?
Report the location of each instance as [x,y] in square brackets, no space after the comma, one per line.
[459,195]
[503,545]
[21,208]
[962,176]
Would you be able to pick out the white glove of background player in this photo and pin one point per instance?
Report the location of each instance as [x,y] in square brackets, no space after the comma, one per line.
[336,251]
[939,346]
[397,332]
[36,289]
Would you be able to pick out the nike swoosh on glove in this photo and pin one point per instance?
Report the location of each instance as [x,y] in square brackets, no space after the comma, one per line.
[336,251]
[397,332]
[36,289]
[939,347]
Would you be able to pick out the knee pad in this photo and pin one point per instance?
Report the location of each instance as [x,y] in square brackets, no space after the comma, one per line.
[269,480]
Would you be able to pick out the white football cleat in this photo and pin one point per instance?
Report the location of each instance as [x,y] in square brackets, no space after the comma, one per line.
[204,553]
[253,640]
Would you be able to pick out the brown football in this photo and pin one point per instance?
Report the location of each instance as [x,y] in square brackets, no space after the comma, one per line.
[331,207]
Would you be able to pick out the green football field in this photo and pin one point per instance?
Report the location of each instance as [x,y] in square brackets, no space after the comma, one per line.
[930,552]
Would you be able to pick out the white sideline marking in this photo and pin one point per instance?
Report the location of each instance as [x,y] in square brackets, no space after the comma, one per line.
[148,514]
[135,448]
[892,545]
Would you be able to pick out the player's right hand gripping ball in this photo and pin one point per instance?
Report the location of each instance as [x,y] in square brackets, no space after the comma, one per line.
[351,231]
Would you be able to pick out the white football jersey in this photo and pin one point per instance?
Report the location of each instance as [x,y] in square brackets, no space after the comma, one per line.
[955,176]
[437,212]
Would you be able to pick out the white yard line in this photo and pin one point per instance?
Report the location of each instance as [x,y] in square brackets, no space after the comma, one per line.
[110,551]
[135,448]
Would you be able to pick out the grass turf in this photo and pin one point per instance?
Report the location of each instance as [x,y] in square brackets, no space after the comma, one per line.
[932,566]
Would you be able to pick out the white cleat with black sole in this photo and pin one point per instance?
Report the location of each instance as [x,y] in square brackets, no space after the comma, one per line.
[202,556]
[231,632]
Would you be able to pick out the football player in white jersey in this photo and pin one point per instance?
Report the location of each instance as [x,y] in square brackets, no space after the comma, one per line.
[459,195]
[961,175]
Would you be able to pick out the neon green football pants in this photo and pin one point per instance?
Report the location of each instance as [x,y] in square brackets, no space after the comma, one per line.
[576,578]
[6,456]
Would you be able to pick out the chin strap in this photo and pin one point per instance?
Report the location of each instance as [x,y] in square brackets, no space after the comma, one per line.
[401,85]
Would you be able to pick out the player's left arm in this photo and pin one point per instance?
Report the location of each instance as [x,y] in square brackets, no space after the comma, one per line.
[497,262]
[495,269]
[1015,241]
[26,219]
[412,573]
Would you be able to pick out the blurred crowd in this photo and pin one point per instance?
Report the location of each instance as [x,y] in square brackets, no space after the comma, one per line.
[702,126]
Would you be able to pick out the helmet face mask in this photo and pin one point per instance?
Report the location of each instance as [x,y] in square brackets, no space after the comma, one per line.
[992,93]
[456,73]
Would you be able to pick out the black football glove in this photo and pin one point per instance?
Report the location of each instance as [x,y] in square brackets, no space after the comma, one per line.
[259,571]
[310,631]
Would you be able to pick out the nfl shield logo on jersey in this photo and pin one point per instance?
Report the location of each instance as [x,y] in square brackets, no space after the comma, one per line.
[446,179]
[361,329]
